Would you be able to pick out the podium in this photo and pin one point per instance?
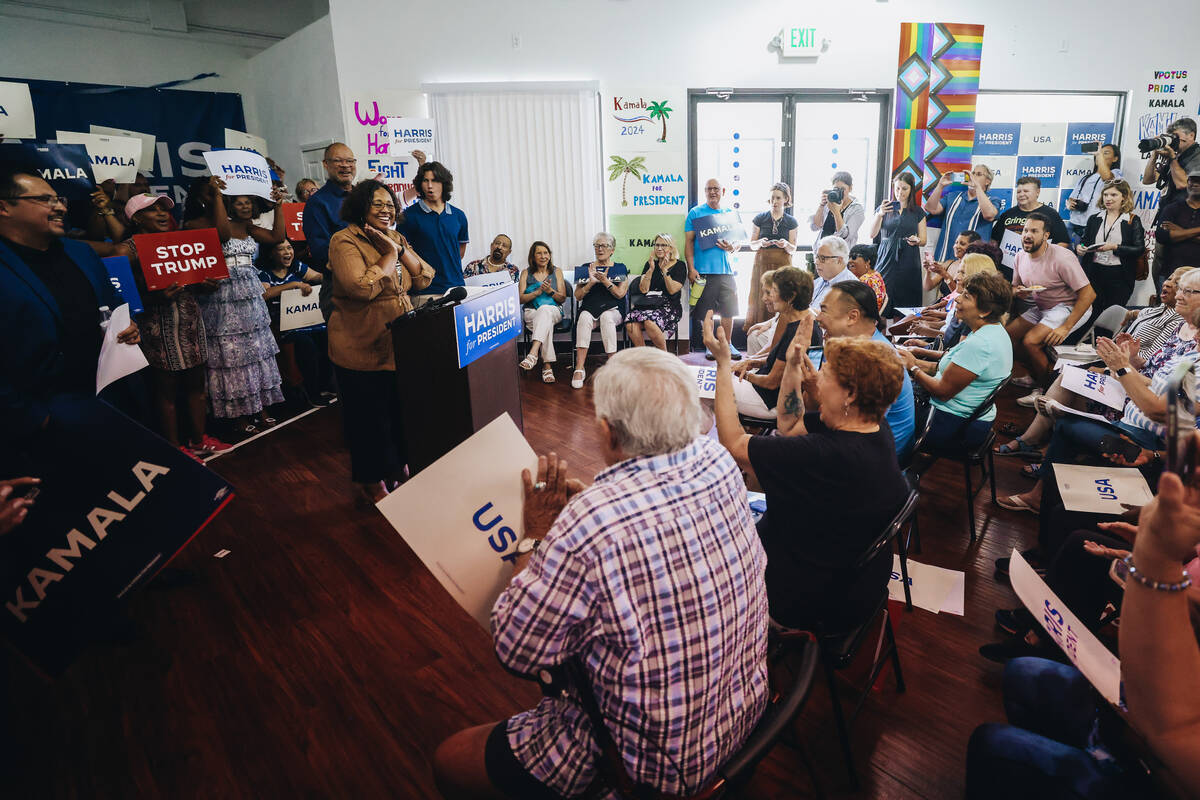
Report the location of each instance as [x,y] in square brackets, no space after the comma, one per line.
[456,371]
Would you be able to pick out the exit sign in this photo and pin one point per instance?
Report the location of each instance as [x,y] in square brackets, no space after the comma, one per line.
[800,40]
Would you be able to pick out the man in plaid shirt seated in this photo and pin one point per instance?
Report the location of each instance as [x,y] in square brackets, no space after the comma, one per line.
[653,579]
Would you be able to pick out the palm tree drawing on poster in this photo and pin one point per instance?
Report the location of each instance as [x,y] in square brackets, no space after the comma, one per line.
[660,110]
[620,167]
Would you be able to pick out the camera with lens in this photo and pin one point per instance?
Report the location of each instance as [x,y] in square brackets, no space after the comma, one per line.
[1090,147]
[834,195]
[1170,140]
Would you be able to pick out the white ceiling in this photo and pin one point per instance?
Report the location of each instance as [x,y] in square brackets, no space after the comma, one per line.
[254,26]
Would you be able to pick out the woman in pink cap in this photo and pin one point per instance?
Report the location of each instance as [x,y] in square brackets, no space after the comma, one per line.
[172,332]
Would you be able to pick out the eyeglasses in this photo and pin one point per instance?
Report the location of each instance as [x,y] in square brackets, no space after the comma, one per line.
[43,199]
[826,259]
[1188,292]
[601,246]
[385,204]
[339,162]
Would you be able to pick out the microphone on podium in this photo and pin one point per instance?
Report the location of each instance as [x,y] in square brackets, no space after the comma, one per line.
[452,295]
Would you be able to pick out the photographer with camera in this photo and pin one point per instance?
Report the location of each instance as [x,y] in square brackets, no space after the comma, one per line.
[1175,155]
[1084,200]
[838,212]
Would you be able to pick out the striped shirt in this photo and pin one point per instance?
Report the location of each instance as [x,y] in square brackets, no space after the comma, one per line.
[1136,418]
[654,576]
[1154,326]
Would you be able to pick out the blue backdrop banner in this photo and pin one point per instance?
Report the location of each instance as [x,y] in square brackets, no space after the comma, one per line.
[185,123]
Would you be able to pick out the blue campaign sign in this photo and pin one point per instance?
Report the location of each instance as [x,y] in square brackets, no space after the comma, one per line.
[1001,198]
[1047,169]
[484,322]
[1080,132]
[996,138]
[66,167]
[121,275]
[1063,211]
[711,227]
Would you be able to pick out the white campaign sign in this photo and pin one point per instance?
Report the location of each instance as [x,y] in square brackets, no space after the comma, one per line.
[113,157]
[1010,245]
[489,279]
[146,159]
[117,360]
[1096,386]
[933,588]
[411,133]
[16,111]
[468,537]
[298,311]
[1101,490]
[1098,665]
[237,140]
[706,381]
[243,171]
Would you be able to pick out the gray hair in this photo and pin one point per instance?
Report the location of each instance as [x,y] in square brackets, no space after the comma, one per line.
[605,236]
[649,399]
[837,244]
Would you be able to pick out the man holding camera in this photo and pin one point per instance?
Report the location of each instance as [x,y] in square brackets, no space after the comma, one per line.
[963,207]
[1169,170]
[838,212]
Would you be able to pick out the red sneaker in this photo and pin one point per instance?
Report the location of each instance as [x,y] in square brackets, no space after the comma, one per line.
[208,446]
[187,451]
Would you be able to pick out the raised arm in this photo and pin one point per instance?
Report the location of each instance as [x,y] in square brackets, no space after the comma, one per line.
[729,429]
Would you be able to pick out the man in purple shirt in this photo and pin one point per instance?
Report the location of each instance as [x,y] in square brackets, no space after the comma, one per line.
[651,580]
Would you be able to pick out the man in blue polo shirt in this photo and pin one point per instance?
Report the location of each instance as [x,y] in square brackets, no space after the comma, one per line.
[323,214]
[436,229]
[711,263]
[961,208]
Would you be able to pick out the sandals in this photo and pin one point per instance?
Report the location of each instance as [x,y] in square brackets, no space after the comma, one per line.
[528,363]
[1015,503]
[1032,471]
[1009,429]
[1019,447]
[577,379]
[547,374]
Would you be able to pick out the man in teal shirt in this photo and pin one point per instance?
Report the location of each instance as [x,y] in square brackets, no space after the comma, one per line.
[711,263]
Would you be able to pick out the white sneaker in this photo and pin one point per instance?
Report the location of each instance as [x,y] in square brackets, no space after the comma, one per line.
[1024,381]
[1029,399]
[577,379]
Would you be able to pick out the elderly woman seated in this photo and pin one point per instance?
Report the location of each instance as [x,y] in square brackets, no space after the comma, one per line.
[971,370]
[1151,336]
[817,526]
[939,319]
[1142,423]
[761,336]
[757,387]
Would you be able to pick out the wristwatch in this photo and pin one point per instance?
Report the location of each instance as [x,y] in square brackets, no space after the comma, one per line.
[915,368]
[1123,371]
[527,546]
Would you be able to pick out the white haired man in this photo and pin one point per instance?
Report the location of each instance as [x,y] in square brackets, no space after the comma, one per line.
[613,579]
[832,259]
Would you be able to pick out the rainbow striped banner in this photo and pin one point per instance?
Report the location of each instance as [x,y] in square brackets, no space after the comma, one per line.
[937,86]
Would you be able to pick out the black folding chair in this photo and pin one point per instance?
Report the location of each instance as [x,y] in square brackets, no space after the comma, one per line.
[838,650]
[978,456]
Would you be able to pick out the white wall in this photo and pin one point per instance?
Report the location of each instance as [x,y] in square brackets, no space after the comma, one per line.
[51,51]
[711,43]
[294,84]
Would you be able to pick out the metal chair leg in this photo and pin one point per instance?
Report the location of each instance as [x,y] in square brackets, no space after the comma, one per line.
[903,547]
[991,461]
[900,687]
[843,731]
[970,500]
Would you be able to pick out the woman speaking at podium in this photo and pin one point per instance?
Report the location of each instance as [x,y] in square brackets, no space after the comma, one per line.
[373,270]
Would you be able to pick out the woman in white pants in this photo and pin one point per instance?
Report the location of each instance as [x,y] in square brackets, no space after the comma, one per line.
[600,288]
[543,290]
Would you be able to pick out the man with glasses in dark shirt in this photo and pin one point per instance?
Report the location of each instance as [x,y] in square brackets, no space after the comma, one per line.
[51,291]
[323,214]
[1180,222]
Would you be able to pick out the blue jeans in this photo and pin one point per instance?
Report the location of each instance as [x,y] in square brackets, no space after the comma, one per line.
[944,432]
[1043,751]
[1076,436]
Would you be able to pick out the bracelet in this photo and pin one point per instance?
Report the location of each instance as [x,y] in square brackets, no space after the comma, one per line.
[1157,586]
[108,212]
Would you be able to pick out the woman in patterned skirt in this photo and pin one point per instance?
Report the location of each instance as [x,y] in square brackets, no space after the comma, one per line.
[656,309]
[172,330]
[243,377]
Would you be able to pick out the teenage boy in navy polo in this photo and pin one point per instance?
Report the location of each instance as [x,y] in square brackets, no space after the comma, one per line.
[436,229]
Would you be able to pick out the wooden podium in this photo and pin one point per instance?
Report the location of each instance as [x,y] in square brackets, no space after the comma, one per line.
[444,404]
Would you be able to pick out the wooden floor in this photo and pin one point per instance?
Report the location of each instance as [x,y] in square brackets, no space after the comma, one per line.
[320,659]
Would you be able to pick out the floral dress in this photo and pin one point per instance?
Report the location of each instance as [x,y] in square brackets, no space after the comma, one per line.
[243,376]
[172,330]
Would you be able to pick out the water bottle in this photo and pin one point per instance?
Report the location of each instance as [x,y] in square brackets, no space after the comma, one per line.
[105,316]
